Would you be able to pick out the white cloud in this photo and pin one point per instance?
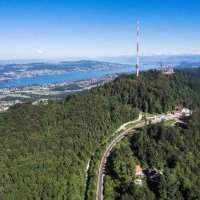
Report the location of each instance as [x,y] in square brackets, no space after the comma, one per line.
[40,51]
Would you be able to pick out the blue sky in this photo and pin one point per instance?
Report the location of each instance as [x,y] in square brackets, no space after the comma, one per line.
[91,28]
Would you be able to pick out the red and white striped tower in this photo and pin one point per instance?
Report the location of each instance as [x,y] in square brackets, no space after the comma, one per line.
[138,50]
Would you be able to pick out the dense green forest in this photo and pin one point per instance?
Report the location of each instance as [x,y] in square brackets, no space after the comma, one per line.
[173,151]
[44,149]
[154,92]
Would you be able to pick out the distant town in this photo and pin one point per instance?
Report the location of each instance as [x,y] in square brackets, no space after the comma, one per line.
[42,93]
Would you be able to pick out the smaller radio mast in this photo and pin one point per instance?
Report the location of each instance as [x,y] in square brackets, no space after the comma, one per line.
[138,50]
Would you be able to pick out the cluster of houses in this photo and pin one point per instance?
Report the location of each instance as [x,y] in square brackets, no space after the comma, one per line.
[40,101]
[168,71]
[153,174]
[184,111]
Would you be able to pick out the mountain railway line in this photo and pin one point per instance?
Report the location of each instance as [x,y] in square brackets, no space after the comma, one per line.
[138,123]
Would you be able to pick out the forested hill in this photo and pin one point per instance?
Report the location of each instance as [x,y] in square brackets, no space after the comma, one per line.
[154,92]
[44,149]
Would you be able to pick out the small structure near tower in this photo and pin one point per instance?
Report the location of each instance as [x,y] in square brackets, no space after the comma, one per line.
[167,69]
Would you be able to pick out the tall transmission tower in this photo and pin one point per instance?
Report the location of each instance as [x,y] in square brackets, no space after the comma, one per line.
[138,50]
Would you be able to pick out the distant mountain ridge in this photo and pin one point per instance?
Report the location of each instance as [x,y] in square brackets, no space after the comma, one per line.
[175,59]
[62,64]
[13,71]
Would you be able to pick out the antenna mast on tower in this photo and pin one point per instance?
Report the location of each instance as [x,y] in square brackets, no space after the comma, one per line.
[138,50]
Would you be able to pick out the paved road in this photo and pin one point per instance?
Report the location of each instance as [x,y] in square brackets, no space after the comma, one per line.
[126,128]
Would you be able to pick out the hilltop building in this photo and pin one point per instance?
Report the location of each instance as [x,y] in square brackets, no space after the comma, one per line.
[167,70]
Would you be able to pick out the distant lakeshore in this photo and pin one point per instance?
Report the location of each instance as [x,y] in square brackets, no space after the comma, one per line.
[35,82]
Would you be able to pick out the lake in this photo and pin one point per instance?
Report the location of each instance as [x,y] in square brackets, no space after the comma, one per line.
[66,77]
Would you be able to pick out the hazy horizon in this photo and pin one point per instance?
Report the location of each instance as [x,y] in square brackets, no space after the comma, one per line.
[106,58]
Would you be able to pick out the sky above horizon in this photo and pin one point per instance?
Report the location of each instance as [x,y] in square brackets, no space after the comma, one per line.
[97,28]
